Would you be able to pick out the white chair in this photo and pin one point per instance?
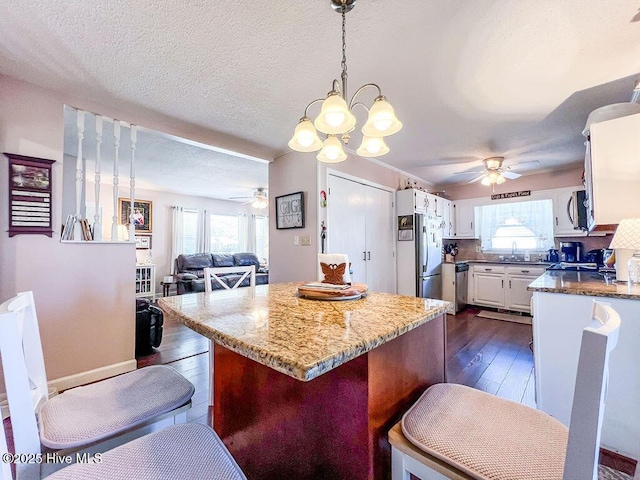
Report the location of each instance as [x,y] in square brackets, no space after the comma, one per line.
[187,450]
[91,418]
[212,273]
[457,432]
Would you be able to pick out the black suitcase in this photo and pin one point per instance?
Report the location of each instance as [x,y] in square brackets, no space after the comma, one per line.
[149,321]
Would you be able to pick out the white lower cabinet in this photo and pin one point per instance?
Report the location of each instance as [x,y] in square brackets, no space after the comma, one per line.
[502,286]
[488,286]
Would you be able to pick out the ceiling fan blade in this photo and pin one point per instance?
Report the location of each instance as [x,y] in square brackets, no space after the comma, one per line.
[479,177]
[472,172]
[239,198]
[510,175]
[532,163]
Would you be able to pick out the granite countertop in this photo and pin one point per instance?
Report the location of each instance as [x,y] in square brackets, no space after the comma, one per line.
[295,336]
[511,262]
[582,283]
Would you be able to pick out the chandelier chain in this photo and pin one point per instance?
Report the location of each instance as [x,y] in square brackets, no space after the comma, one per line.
[344,51]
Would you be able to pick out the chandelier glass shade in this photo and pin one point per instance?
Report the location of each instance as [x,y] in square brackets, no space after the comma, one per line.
[336,115]
[332,151]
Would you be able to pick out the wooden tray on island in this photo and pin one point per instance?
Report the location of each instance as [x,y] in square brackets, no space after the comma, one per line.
[353,292]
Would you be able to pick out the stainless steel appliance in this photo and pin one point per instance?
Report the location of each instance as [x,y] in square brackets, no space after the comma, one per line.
[428,256]
[577,210]
[462,281]
[570,252]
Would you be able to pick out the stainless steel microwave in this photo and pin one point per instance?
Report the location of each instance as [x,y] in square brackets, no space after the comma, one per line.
[577,210]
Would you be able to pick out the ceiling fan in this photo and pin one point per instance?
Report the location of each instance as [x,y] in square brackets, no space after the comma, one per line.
[494,172]
[260,199]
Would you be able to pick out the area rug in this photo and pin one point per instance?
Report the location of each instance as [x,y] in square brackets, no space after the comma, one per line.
[505,316]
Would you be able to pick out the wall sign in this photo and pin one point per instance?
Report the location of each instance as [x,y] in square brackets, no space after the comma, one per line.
[290,211]
[523,193]
[29,195]
[405,228]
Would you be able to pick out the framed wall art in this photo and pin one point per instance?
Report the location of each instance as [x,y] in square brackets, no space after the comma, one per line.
[405,228]
[143,241]
[290,211]
[30,189]
[142,214]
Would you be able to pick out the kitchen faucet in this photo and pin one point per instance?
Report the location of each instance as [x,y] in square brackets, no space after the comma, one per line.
[514,247]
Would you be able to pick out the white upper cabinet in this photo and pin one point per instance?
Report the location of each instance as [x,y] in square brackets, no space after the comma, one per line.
[465,219]
[447,218]
[612,168]
[432,204]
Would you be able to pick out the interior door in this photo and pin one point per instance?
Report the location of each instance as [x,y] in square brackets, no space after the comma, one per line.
[380,240]
[346,223]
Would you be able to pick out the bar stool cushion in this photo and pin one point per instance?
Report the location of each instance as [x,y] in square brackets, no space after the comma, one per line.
[90,413]
[485,436]
[189,450]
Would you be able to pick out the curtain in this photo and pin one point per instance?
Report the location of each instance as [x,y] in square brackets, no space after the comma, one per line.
[251,233]
[245,231]
[204,232]
[177,223]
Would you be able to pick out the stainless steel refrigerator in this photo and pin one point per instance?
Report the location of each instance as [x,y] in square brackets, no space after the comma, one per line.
[428,256]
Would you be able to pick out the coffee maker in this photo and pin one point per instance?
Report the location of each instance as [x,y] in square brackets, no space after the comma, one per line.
[570,252]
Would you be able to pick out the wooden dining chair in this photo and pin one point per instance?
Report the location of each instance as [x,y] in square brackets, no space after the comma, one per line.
[457,432]
[213,274]
[90,418]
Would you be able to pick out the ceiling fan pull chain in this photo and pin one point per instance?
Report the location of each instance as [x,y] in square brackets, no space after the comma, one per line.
[344,52]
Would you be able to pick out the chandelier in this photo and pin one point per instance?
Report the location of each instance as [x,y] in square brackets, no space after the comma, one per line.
[337,120]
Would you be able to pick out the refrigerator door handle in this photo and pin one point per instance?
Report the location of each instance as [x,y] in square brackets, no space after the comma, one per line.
[364,256]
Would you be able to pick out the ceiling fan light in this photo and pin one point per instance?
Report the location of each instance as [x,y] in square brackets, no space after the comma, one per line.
[486,181]
[332,151]
[335,117]
[500,179]
[260,202]
[493,163]
[305,137]
[382,119]
[372,147]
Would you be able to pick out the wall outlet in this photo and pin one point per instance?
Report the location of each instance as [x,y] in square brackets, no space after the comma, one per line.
[305,241]
[296,240]
[478,249]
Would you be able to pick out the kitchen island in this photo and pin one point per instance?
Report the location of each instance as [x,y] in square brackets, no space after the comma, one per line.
[562,305]
[308,389]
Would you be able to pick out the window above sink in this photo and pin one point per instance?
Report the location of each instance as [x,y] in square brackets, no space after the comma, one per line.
[516,228]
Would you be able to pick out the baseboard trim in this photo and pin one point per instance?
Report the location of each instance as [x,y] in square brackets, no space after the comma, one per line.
[90,376]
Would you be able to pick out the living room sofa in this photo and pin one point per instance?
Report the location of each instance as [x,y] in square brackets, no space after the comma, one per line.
[189,270]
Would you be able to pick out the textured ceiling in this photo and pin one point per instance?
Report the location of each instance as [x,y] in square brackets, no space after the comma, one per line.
[468,79]
[166,164]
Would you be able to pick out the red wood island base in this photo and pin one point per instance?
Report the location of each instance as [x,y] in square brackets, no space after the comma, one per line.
[332,427]
[307,389]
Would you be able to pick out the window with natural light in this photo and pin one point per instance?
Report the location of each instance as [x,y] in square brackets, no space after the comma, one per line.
[520,226]
[262,238]
[189,231]
[225,233]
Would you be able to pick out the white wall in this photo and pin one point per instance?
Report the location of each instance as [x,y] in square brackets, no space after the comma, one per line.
[84,292]
[296,171]
[293,172]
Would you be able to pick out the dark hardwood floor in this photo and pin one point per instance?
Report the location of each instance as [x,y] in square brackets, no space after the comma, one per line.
[491,355]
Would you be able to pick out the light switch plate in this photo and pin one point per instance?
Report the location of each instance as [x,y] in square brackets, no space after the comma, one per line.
[296,240]
[477,248]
